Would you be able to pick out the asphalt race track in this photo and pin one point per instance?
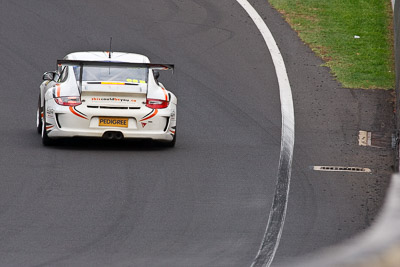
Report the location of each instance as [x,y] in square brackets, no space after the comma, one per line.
[205,202]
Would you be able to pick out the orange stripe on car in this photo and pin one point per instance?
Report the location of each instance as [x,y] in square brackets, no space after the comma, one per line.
[165,93]
[48,127]
[75,113]
[113,83]
[58,90]
[151,116]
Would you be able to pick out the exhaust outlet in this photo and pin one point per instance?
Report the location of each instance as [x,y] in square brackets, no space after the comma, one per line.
[118,135]
[108,135]
[113,135]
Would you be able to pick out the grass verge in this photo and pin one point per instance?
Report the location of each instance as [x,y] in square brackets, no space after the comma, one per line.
[353,37]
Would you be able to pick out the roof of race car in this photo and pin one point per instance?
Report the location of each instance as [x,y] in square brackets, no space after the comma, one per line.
[104,56]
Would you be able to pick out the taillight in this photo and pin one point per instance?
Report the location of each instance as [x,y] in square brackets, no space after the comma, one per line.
[156,103]
[68,100]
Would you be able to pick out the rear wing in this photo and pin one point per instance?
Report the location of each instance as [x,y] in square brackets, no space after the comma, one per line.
[83,63]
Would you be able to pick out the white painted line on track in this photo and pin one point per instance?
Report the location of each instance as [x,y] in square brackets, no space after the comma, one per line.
[277,214]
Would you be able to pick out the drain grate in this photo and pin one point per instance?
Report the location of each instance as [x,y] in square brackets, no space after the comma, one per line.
[340,169]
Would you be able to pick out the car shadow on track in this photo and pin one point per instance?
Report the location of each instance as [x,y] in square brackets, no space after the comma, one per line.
[101,144]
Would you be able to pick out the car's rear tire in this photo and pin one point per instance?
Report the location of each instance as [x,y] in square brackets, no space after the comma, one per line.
[39,118]
[46,140]
[170,143]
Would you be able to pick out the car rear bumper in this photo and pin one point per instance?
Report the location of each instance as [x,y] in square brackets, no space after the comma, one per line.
[162,136]
[81,121]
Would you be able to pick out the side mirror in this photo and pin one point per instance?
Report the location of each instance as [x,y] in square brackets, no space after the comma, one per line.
[156,75]
[49,75]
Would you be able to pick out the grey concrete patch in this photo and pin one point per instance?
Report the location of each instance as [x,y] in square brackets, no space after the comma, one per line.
[379,246]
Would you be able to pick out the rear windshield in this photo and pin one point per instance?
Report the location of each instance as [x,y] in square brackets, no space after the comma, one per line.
[112,73]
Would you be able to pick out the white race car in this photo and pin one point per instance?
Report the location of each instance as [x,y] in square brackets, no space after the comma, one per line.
[109,95]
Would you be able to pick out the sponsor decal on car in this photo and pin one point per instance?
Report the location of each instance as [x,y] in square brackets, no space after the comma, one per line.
[113,122]
[114,99]
[49,112]
[135,81]
[173,116]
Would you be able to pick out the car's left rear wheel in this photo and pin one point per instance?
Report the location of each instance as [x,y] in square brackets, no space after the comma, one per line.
[39,118]
[46,140]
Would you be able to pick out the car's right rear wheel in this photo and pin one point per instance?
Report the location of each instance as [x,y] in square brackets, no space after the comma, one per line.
[170,143]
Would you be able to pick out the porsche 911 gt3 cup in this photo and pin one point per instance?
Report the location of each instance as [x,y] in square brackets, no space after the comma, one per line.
[106,95]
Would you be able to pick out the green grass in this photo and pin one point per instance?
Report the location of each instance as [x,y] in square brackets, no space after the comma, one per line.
[329,27]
